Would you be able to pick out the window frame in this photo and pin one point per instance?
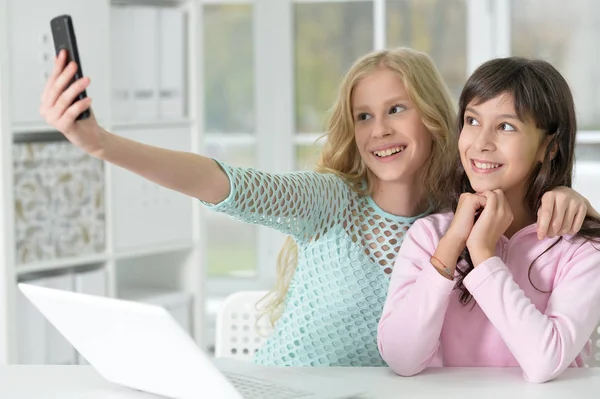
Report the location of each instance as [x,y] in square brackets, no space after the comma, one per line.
[488,36]
[273,67]
[501,11]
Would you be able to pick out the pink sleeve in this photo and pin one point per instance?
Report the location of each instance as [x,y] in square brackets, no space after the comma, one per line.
[544,344]
[409,330]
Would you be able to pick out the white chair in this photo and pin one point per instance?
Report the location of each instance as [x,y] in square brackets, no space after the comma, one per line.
[594,359]
[238,332]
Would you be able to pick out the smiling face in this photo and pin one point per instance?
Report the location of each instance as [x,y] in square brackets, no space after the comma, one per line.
[389,132]
[497,149]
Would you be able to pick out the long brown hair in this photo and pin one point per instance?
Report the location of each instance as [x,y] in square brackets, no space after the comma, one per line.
[543,95]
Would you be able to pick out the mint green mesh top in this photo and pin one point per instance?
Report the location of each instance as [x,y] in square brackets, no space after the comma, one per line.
[346,250]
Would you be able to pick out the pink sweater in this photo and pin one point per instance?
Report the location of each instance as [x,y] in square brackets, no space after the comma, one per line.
[511,324]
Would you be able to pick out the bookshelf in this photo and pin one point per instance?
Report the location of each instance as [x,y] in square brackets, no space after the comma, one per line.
[74,222]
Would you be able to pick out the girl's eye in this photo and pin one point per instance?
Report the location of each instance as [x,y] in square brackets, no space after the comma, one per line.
[507,127]
[471,121]
[363,116]
[396,109]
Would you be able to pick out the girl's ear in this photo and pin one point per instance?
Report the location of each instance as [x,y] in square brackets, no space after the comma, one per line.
[553,145]
[553,150]
[543,148]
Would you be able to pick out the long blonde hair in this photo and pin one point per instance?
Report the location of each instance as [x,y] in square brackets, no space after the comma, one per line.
[340,155]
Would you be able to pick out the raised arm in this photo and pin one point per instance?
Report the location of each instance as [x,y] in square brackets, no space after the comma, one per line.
[191,174]
[544,343]
[300,204]
[188,173]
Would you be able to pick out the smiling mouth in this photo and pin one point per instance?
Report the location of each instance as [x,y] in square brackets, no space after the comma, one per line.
[485,166]
[389,151]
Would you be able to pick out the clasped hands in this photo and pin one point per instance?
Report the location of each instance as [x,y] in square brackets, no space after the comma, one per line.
[562,211]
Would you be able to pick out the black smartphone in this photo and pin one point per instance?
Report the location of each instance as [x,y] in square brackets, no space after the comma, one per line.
[63,34]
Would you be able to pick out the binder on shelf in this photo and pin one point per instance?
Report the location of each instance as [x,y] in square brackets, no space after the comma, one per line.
[144,21]
[31,327]
[39,341]
[171,66]
[121,63]
[59,350]
[91,282]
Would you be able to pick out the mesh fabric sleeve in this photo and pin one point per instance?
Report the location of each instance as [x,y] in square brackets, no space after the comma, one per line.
[301,204]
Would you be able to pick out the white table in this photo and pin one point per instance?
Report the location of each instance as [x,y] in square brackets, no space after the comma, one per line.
[82,382]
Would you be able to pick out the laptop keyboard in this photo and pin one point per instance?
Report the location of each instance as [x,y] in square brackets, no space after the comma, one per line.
[253,388]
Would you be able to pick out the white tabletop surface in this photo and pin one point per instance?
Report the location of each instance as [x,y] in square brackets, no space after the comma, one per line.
[82,382]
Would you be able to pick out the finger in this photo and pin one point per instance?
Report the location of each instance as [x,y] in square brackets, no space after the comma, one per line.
[568,219]
[73,112]
[477,201]
[491,201]
[469,205]
[60,83]
[578,220]
[500,197]
[544,217]
[59,65]
[70,94]
[498,192]
[504,209]
[464,197]
[481,201]
[66,99]
[556,219]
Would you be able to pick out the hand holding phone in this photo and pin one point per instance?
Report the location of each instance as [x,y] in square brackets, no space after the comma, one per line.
[64,103]
[63,34]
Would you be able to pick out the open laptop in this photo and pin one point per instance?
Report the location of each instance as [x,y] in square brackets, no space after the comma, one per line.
[142,347]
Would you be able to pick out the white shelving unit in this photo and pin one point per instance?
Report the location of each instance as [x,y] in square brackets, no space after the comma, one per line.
[143,239]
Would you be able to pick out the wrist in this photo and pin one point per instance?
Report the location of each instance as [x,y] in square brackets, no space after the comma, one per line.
[445,256]
[480,255]
[451,245]
[100,150]
[442,268]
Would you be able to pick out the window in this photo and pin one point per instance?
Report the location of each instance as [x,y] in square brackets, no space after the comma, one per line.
[230,126]
[566,36]
[273,68]
[328,38]
[229,68]
[436,27]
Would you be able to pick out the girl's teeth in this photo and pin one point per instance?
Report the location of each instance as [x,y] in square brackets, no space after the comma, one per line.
[486,165]
[389,151]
